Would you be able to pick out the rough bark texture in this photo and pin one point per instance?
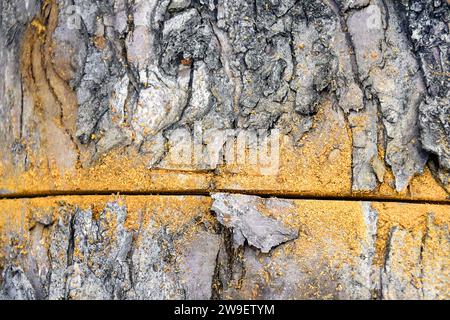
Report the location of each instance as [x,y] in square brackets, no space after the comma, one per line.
[358,89]
[174,247]
[104,96]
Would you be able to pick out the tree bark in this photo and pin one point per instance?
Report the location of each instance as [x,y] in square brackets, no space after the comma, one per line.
[197,111]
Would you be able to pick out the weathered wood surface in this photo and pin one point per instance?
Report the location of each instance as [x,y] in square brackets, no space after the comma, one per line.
[188,247]
[103,95]
[200,100]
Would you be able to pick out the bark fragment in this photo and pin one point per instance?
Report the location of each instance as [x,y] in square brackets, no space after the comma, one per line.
[241,214]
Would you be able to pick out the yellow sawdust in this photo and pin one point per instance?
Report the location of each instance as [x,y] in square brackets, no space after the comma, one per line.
[410,217]
[319,165]
[112,172]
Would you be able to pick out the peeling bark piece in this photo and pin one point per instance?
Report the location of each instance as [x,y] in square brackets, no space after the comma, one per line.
[390,71]
[326,262]
[243,215]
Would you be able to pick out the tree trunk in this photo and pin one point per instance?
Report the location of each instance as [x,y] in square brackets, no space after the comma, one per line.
[261,149]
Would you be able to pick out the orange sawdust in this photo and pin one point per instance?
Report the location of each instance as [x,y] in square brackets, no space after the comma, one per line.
[176,214]
[423,187]
[112,173]
[306,171]
[319,165]
[333,235]
[332,232]
[173,211]
[410,217]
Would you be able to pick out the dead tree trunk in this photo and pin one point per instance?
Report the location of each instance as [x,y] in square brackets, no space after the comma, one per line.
[180,105]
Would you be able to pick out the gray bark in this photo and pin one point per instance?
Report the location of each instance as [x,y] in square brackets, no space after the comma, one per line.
[130,73]
[80,78]
[63,251]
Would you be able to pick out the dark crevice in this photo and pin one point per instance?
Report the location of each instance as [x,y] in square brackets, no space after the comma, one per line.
[422,249]
[70,251]
[386,259]
[202,192]
[71,245]
[216,283]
